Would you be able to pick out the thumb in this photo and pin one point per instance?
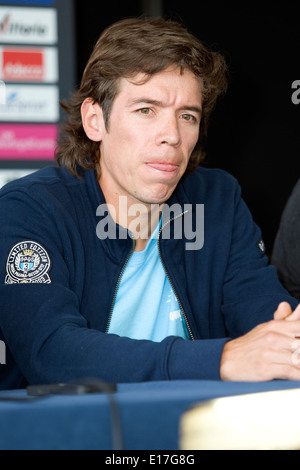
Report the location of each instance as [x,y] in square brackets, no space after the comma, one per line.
[283,311]
[295,314]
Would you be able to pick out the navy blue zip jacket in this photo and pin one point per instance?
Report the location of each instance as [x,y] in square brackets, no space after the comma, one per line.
[58,281]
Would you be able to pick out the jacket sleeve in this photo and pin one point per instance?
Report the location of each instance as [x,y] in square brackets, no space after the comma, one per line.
[251,290]
[286,251]
[41,321]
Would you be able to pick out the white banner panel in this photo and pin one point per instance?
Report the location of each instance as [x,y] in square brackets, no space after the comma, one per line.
[30,103]
[28,64]
[8,175]
[28,25]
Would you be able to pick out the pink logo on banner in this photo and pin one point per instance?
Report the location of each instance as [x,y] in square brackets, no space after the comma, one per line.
[28,141]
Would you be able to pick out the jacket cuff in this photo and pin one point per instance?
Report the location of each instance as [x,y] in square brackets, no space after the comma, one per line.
[199,359]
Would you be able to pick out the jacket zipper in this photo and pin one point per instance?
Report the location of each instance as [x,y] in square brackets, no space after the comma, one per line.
[118,284]
[167,274]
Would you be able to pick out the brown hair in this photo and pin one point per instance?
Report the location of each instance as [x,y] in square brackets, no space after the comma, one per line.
[130,46]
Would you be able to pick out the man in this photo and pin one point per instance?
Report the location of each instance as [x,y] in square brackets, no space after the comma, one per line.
[286,253]
[128,262]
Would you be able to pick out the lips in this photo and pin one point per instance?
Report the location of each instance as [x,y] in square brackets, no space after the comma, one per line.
[162,166]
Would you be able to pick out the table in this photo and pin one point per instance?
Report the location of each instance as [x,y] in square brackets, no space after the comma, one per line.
[149,415]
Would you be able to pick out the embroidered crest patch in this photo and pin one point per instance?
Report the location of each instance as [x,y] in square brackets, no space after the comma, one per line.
[28,263]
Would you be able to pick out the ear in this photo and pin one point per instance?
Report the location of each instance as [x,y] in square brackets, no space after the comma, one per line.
[92,119]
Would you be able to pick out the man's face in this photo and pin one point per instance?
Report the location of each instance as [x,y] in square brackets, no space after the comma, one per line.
[153,129]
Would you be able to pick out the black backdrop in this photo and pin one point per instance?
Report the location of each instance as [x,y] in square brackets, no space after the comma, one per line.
[254,133]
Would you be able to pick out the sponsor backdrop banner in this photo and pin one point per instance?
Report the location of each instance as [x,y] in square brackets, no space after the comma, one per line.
[36,71]
[28,25]
[30,2]
[24,64]
[28,142]
[30,103]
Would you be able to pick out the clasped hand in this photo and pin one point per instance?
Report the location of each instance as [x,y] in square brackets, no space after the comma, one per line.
[269,351]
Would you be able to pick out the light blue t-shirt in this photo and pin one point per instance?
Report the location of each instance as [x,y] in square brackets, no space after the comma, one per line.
[146,306]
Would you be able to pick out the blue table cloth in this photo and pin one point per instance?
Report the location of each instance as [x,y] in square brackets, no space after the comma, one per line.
[143,416]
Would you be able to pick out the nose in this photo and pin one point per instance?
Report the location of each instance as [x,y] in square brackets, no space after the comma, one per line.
[169,132]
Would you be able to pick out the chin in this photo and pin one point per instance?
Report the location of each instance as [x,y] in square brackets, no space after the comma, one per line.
[158,198]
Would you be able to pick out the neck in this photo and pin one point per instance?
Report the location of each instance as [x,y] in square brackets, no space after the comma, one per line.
[139,218]
[143,225]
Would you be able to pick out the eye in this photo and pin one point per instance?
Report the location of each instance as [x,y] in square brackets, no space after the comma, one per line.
[188,117]
[144,111]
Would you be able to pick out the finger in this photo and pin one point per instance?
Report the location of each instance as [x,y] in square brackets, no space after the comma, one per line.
[284,372]
[284,364]
[282,329]
[287,363]
[295,315]
[283,311]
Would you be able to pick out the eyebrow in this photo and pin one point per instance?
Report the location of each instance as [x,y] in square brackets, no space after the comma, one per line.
[159,103]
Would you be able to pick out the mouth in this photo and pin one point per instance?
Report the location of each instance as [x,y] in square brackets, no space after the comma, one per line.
[167,169]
